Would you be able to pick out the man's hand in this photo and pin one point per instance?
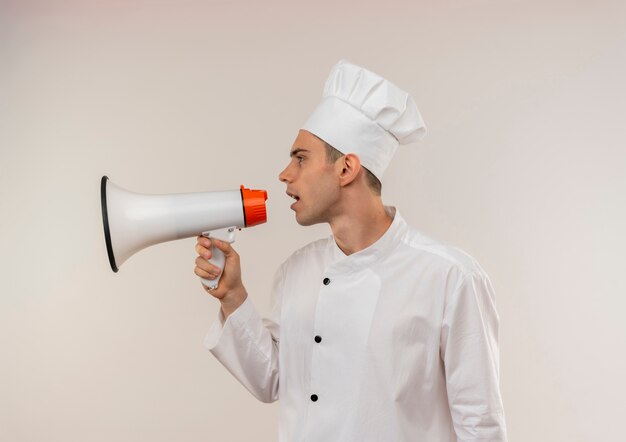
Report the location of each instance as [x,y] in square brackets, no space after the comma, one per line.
[230,291]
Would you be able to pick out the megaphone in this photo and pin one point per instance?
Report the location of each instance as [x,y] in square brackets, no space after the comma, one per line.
[134,221]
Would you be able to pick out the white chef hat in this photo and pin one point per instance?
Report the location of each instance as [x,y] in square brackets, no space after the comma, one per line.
[364,114]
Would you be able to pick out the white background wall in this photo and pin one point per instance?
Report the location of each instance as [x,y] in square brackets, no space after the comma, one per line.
[524,168]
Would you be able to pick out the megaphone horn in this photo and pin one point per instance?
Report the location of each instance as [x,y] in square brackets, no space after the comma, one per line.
[134,221]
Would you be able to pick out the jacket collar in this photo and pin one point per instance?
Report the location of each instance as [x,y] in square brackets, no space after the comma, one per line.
[341,262]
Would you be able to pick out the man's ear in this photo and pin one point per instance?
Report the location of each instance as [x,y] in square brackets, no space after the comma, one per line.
[349,167]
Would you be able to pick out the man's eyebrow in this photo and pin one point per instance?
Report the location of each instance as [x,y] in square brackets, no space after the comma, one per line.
[297,151]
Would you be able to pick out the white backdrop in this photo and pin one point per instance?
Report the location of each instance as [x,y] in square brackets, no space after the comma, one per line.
[524,168]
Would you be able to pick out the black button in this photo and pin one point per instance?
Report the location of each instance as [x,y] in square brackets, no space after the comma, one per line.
[326,281]
[314,397]
[318,339]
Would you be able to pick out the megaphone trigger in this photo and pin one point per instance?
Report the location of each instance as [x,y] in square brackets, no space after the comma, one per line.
[227,234]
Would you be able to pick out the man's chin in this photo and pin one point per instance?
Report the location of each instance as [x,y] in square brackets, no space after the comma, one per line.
[304,221]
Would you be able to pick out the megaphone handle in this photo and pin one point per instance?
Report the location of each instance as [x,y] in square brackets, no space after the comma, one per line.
[217,259]
[217,256]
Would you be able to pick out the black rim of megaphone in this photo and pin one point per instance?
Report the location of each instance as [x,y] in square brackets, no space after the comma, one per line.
[105,221]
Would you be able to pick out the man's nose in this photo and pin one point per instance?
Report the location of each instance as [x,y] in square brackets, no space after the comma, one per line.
[284,175]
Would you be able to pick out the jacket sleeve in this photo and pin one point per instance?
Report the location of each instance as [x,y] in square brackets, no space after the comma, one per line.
[469,349]
[248,345]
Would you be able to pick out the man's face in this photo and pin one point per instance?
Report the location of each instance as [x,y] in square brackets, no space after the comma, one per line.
[311,180]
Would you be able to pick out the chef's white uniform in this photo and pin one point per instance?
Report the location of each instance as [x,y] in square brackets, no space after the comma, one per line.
[398,342]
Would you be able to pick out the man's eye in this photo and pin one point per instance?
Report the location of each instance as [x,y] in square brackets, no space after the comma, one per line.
[300,159]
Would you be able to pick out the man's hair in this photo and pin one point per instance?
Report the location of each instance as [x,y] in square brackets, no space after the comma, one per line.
[373,183]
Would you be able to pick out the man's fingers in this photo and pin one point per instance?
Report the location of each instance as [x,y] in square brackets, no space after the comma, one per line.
[204,274]
[203,247]
[204,241]
[207,267]
[203,251]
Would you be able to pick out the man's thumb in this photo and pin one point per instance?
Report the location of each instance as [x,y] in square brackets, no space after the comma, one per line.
[223,246]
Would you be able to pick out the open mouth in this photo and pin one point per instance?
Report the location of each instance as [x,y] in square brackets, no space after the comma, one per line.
[294,196]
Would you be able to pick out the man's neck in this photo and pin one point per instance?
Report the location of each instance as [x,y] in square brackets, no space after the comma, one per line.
[361,227]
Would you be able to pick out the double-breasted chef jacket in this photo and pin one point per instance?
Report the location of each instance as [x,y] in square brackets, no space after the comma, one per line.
[397,342]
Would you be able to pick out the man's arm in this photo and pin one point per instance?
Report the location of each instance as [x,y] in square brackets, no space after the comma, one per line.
[469,349]
[244,343]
